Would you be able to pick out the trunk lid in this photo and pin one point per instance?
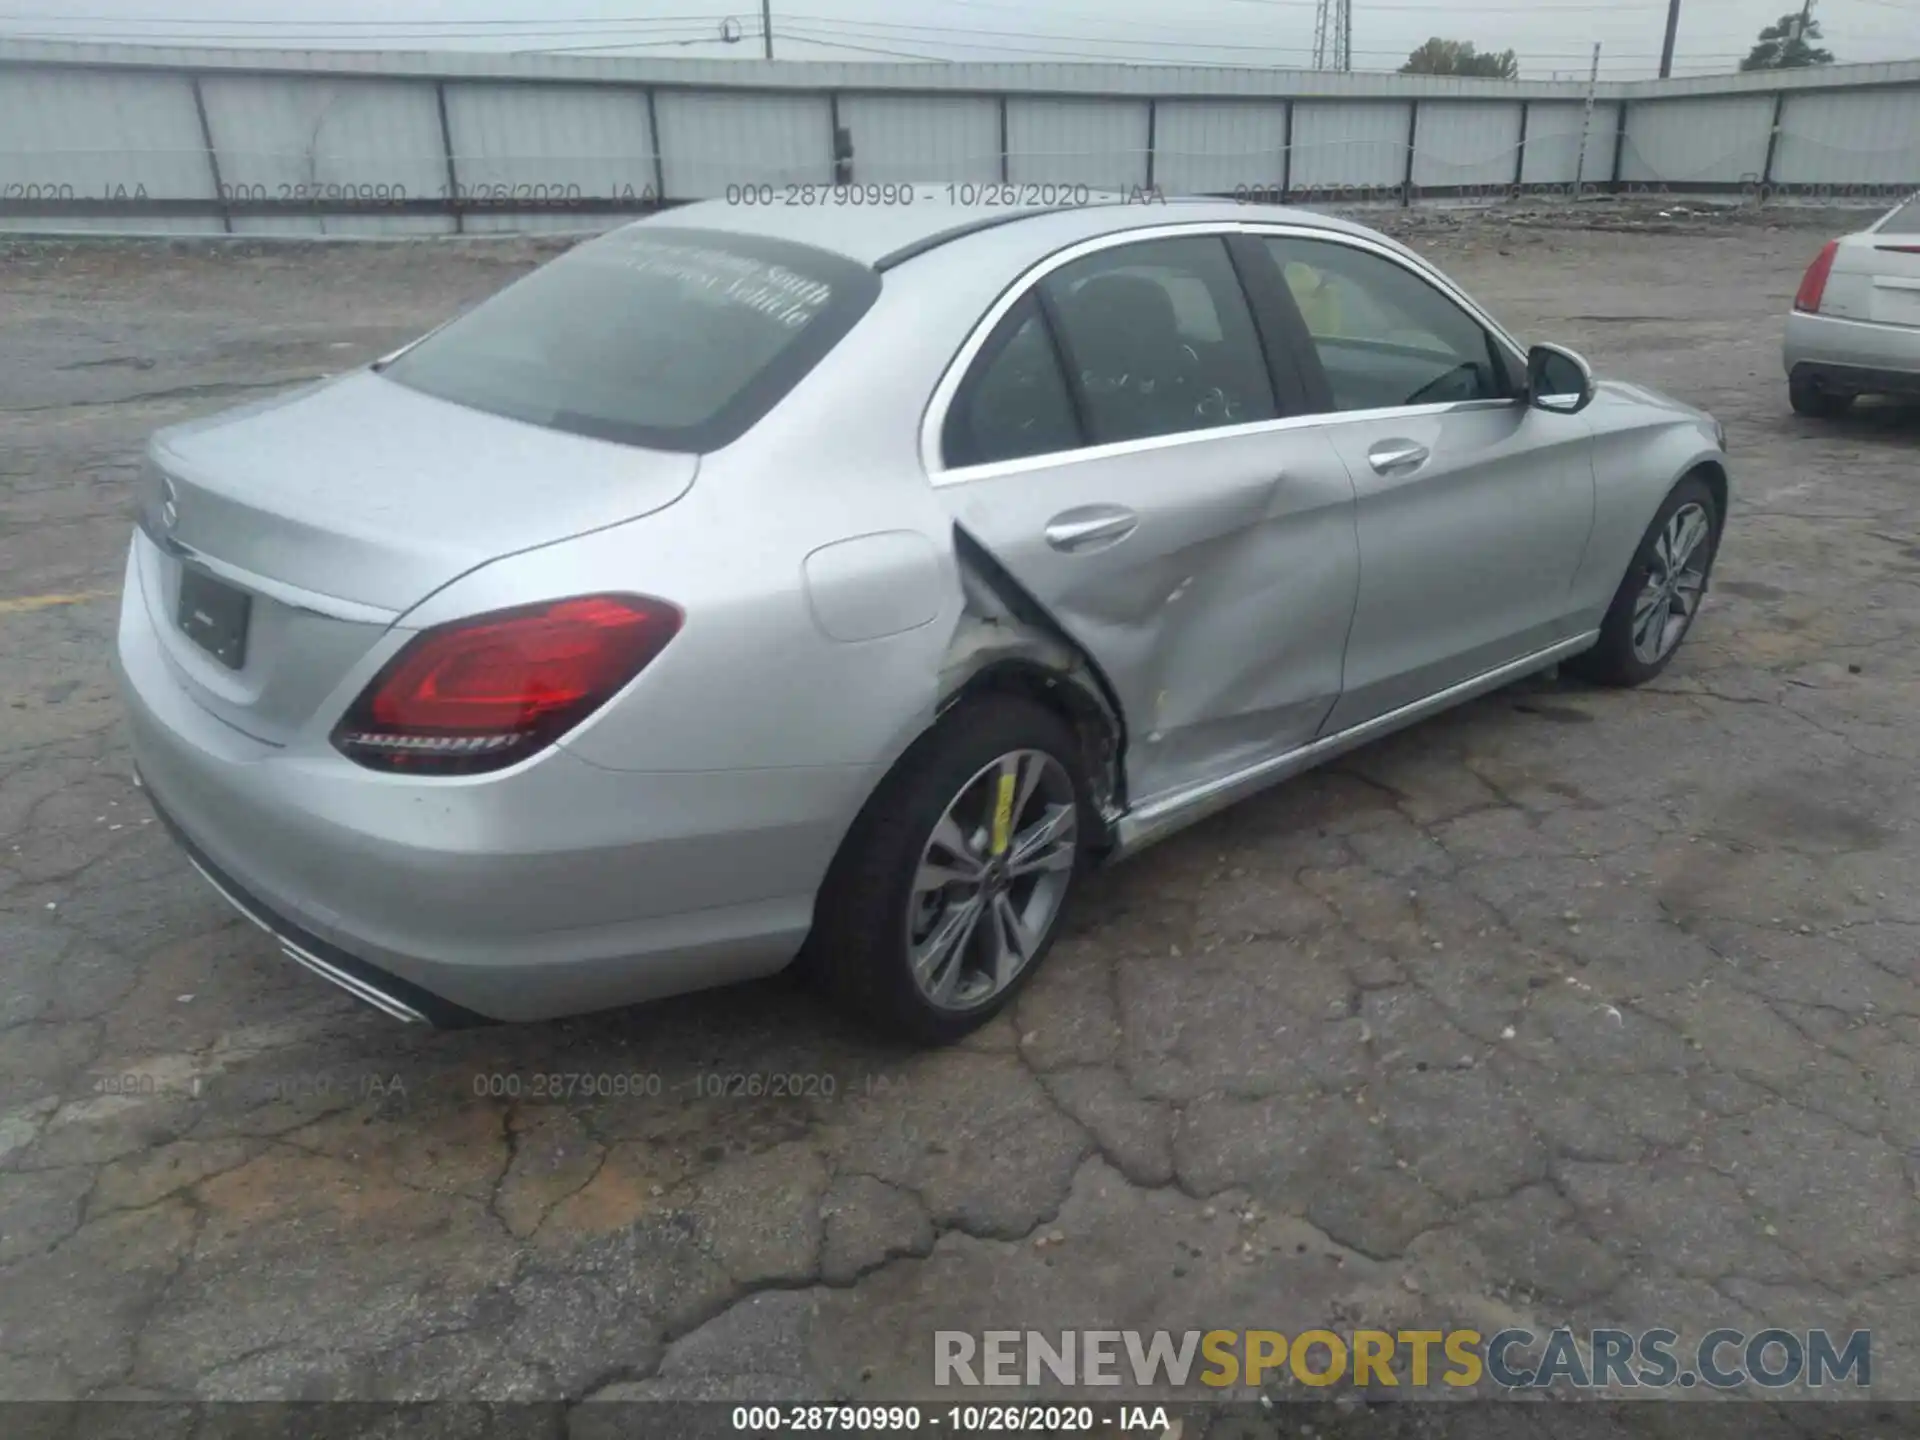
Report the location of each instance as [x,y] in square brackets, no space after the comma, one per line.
[1875,277]
[337,508]
[368,492]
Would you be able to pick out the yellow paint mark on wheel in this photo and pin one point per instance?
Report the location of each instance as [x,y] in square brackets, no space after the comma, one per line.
[1003,816]
[21,604]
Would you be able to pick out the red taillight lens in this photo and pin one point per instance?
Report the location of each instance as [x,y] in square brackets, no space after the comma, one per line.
[1814,283]
[481,694]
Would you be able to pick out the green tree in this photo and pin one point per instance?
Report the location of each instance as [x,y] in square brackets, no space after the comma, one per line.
[1458,57]
[1785,45]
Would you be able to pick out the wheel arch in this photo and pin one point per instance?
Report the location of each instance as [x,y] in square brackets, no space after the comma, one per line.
[1060,692]
[1715,474]
[1007,644]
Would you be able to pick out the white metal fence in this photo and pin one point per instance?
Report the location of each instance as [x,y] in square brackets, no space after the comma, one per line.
[124,138]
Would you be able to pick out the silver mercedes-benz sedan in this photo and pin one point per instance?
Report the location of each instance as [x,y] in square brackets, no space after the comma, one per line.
[1855,324]
[842,582]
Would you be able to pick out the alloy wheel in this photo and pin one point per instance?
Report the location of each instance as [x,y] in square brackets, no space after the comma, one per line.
[992,878]
[1676,581]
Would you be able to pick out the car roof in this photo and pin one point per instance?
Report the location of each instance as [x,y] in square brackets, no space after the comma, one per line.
[894,230]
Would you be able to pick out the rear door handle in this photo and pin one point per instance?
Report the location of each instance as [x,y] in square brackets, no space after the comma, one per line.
[1090,526]
[1394,457]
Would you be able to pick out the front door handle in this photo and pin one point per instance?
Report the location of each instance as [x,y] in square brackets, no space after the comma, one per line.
[1396,457]
[1090,526]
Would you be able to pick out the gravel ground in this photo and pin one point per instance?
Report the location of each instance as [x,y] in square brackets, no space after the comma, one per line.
[1570,1006]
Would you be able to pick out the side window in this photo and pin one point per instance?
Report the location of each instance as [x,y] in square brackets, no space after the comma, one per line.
[1160,340]
[1193,307]
[1905,220]
[1383,335]
[1014,401]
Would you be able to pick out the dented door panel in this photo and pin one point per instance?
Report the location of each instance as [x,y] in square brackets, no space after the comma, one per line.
[1219,617]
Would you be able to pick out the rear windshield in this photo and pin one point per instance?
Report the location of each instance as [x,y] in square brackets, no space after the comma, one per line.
[673,339]
[1904,221]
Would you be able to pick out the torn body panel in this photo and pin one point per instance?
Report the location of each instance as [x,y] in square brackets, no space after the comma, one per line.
[1005,641]
[1212,585]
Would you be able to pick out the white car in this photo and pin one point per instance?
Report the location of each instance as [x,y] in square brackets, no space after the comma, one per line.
[1855,325]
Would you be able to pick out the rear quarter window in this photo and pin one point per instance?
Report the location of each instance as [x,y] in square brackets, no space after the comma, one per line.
[675,339]
[1904,221]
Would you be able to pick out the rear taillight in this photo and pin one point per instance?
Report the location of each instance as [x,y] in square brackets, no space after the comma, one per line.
[1814,283]
[484,693]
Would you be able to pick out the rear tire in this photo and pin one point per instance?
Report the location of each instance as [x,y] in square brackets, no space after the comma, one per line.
[885,909]
[1807,398]
[1657,602]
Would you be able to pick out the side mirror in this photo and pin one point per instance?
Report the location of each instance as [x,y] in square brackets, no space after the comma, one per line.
[1558,380]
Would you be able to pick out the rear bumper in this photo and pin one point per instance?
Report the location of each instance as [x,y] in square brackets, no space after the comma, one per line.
[388,994]
[1856,356]
[554,888]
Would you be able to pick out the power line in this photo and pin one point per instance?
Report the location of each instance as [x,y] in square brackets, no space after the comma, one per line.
[874,30]
[342,42]
[800,33]
[570,22]
[548,23]
[859,40]
[989,38]
[1539,9]
[1383,61]
[864,36]
[964,35]
[715,17]
[969,37]
[1389,6]
[383,37]
[818,37]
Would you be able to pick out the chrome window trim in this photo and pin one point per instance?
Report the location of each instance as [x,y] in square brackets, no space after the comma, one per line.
[1055,459]
[935,419]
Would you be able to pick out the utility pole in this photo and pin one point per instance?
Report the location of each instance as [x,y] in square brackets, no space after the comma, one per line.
[1806,19]
[1333,35]
[1586,124]
[1673,29]
[766,24]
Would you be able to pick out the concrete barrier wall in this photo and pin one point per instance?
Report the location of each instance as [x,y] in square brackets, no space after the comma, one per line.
[129,138]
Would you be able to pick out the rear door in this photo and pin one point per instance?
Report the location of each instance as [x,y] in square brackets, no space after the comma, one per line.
[1473,509]
[1118,444]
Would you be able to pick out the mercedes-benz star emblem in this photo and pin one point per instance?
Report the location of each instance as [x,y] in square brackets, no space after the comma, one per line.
[169,506]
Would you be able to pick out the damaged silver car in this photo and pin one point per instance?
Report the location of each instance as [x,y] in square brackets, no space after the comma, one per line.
[840,583]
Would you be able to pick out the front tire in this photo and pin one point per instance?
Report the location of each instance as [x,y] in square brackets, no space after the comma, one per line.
[1807,398]
[1662,591]
[950,888]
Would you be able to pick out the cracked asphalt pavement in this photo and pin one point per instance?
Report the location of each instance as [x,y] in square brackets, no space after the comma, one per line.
[1570,1006]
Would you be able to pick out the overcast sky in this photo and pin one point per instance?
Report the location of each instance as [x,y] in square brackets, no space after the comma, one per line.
[1551,36]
